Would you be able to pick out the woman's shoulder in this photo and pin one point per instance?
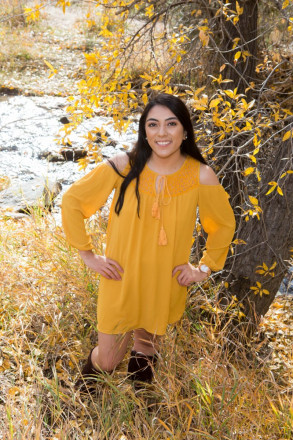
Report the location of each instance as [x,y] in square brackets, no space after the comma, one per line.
[207,176]
[120,161]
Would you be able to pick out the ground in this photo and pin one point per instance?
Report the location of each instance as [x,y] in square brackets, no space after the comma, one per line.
[58,38]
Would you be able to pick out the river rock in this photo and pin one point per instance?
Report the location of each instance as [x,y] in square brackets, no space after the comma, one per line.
[8,148]
[64,120]
[24,196]
[51,156]
[72,153]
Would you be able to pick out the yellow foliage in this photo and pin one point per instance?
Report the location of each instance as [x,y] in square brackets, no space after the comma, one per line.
[258,290]
[264,270]
[253,200]
[33,14]
[274,186]
[53,70]
[248,171]
[64,4]
[287,135]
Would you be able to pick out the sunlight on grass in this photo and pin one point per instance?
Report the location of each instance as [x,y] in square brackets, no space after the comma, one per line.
[48,324]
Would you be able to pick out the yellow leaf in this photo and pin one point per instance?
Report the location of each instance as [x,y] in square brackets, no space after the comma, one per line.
[239,9]
[229,93]
[287,135]
[144,98]
[204,37]
[253,200]
[273,186]
[280,191]
[285,4]
[237,55]
[248,171]
[215,102]
[252,158]
[260,271]
[239,241]
[50,66]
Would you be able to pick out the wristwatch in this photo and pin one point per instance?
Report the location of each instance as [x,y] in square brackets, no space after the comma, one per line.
[205,269]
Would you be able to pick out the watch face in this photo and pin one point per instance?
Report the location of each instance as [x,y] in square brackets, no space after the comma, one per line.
[204,268]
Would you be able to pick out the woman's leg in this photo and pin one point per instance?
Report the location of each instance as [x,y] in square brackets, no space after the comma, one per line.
[145,342]
[143,357]
[110,351]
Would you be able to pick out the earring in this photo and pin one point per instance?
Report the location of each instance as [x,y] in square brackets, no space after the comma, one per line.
[185,137]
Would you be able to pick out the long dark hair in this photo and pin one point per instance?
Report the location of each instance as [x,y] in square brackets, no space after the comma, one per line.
[142,151]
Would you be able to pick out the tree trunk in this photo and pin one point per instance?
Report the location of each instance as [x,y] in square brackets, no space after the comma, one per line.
[242,70]
[268,241]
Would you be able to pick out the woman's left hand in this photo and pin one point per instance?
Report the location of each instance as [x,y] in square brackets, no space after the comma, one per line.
[188,274]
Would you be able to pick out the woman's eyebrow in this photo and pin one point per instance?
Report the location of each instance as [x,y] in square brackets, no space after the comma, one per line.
[168,119]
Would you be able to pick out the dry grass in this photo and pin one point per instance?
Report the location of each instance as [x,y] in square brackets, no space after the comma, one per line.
[48,324]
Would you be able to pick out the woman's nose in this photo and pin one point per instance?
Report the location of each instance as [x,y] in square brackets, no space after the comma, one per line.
[162,130]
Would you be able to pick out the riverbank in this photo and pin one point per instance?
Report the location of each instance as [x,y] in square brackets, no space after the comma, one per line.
[58,39]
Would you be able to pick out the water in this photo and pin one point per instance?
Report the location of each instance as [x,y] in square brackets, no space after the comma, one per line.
[30,126]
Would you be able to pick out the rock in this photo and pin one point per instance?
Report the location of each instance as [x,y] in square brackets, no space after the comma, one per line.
[9,148]
[24,196]
[51,156]
[99,139]
[64,120]
[55,157]
[73,154]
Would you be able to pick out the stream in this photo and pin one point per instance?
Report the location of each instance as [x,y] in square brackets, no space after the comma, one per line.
[29,126]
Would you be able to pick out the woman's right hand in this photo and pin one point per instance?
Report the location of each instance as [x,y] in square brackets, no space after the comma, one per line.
[106,267]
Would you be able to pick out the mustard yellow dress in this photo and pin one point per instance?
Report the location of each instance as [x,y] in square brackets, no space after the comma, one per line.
[148,247]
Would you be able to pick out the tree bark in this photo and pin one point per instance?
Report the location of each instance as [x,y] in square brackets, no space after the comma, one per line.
[268,241]
[241,71]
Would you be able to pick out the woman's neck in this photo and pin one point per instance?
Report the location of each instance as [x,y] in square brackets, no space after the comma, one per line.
[165,165]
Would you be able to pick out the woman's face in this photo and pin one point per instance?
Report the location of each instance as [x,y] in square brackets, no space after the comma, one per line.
[164,132]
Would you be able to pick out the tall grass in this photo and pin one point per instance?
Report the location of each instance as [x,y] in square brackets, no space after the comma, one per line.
[48,324]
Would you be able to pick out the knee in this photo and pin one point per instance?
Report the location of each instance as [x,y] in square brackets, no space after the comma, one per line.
[106,364]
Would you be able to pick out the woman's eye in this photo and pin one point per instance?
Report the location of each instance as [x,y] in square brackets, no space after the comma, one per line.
[151,124]
[172,124]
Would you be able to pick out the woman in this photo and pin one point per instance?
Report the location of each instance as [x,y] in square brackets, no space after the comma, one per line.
[146,271]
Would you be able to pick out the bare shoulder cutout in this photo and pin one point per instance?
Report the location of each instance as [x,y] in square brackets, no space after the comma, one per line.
[207,176]
[120,160]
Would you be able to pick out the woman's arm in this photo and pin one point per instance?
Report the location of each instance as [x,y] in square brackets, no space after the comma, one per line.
[218,221]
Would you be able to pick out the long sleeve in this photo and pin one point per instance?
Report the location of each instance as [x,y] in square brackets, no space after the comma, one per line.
[218,221]
[82,200]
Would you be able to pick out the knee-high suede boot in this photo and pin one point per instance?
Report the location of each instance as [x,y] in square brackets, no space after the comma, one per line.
[88,376]
[140,367]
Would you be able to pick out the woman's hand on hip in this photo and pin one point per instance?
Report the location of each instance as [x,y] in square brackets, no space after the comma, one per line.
[188,274]
[106,267]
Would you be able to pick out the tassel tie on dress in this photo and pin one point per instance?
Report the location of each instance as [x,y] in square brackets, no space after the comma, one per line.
[157,209]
